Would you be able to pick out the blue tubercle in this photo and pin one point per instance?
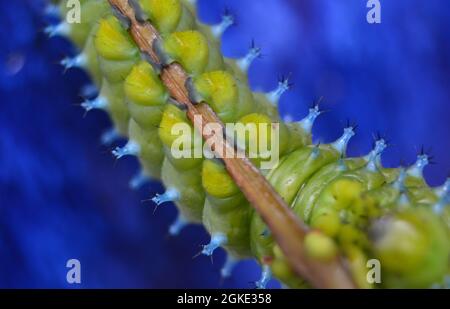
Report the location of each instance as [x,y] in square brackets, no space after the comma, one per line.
[171,195]
[109,137]
[404,201]
[176,227]
[275,95]
[217,240]
[219,29]
[130,149]
[247,60]
[51,10]
[266,275]
[78,61]
[374,157]
[227,268]
[138,180]
[399,184]
[99,102]
[89,91]
[61,29]
[417,169]
[342,166]
[341,143]
[307,123]
[444,198]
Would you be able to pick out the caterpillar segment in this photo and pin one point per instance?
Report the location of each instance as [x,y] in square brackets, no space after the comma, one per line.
[110,99]
[353,206]
[229,97]
[198,50]
[168,16]
[182,174]
[193,51]
[213,34]
[111,65]
[186,10]
[190,197]
[370,207]
[86,60]
[226,211]
[413,247]
[150,152]
[199,56]
[146,98]
[288,178]
[117,53]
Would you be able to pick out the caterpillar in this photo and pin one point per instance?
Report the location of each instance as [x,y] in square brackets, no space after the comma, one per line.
[354,206]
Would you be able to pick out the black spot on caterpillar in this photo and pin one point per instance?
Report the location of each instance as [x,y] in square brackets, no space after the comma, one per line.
[139,13]
[341,198]
[156,66]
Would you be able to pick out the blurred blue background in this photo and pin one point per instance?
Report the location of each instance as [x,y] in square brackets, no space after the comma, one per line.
[62,196]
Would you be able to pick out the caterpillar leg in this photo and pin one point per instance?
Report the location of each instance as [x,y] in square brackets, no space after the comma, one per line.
[109,137]
[217,240]
[171,195]
[89,90]
[79,61]
[444,198]
[61,29]
[219,29]
[130,149]
[307,123]
[245,63]
[227,268]
[275,95]
[99,102]
[139,180]
[179,224]
[266,275]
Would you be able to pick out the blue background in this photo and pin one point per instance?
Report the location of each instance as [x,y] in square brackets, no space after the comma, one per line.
[62,196]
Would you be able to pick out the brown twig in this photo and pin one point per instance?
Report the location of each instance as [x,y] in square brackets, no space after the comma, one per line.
[286,228]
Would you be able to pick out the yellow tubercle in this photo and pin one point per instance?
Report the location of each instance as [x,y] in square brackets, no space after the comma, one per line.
[143,86]
[216,180]
[320,247]
[112,42]
[171,119]
[165,14]
[219,89]
[190,49]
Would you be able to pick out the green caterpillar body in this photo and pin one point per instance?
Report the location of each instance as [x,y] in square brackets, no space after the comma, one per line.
[353,205]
